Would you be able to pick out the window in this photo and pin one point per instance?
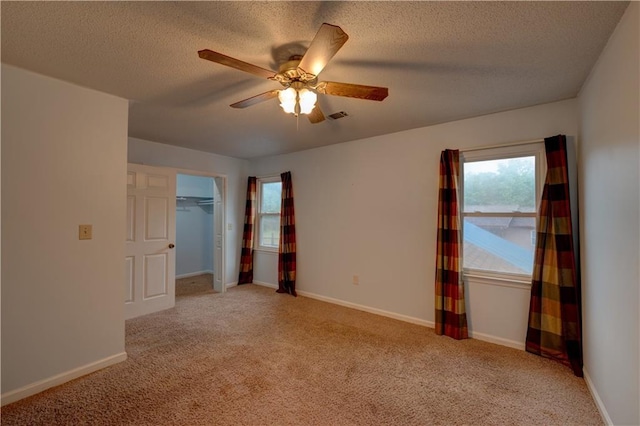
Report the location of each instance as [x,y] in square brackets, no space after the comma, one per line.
[269,200]
[501,189]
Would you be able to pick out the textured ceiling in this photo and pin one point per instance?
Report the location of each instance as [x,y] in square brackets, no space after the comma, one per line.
[442,61]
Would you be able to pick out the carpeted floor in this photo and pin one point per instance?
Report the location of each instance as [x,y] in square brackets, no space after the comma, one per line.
[253,357]
[196,285]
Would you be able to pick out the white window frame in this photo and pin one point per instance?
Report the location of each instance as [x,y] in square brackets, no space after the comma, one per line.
[260,214]
[535,149]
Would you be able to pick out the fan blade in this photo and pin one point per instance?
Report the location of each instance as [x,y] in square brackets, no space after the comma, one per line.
[256,99]
[328,40]
[349,90]
[212,56]
[316,115]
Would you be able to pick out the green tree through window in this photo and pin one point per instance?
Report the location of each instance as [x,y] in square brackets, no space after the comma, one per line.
[506,182]
[269,214]
[271,197]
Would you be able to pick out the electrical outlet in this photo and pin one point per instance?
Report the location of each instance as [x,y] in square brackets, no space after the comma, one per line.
[356,280]
[85,232]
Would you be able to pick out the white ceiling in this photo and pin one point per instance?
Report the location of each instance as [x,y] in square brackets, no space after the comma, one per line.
[442,61]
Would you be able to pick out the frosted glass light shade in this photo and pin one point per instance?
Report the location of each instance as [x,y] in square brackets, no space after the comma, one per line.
[307,100]
[287,99]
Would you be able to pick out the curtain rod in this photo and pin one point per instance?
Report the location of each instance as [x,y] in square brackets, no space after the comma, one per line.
[503,145]
[268,176]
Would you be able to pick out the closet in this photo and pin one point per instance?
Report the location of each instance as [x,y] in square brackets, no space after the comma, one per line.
[194,225]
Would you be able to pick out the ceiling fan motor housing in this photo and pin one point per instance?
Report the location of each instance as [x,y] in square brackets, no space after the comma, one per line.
[290,75]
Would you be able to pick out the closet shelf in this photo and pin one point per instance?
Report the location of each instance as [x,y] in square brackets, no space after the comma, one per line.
[201,201]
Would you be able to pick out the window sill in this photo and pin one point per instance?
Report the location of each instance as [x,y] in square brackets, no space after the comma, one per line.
[273,251]
[521,282]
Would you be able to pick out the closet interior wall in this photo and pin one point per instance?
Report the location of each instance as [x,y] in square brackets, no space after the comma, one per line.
[194,225]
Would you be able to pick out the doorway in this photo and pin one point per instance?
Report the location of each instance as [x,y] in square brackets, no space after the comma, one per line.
[199,234]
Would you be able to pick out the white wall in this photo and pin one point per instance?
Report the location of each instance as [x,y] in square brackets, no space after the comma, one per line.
[63,164]
[194,226]
[235,170]
[369,208]
[194,186]
[610,232]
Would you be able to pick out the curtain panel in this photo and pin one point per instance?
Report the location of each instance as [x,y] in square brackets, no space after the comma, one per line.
[246,256]
[554,329]
[287,246]
[451,317]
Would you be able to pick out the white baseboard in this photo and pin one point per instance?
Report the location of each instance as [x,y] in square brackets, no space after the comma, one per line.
[233,284]
[413,320]
[263,284]
[39,386]
[381,312]
[193,274]
[596,398]
[359,307]
[497,340]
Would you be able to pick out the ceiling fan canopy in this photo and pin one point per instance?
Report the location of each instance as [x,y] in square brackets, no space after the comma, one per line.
[299,76]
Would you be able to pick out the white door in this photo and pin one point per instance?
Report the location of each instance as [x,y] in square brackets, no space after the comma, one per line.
[218,190]
[151,233]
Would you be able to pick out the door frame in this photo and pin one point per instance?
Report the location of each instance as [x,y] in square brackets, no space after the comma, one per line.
[223,221]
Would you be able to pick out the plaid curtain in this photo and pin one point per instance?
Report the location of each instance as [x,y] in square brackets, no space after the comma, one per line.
[451,317]
[246,256]
[287,247]
[554,310]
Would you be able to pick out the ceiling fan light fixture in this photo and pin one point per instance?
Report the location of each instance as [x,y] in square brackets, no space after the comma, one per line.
[308,100]
[301,101]
[288,99]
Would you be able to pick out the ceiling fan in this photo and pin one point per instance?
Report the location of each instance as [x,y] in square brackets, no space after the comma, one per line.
[299,76]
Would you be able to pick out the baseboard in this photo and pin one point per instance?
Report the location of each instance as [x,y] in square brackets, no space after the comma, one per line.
[263,284]
[39,386]
[497,340]
[381,312]
[406,318]
[193,274]
[233,284]
[596,398]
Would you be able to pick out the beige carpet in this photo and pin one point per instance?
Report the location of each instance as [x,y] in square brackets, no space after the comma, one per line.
[191,286]
[254,357]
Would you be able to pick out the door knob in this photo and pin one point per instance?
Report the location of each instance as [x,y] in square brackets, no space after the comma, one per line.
[171,246]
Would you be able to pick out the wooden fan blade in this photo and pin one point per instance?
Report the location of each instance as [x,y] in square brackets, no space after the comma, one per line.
[212,56]
[256,99]
[316,115]
[328,40]
[349,90]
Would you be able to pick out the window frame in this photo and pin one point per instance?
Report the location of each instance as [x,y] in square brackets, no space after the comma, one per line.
[535,149]
[260,214]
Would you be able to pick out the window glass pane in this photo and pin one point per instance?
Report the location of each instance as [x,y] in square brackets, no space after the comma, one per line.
[270,231]
[271,194]
[499,244]
[504,185]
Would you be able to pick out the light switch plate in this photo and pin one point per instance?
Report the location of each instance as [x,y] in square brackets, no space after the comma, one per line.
[85,232]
